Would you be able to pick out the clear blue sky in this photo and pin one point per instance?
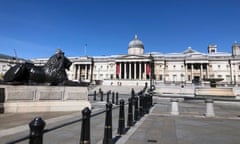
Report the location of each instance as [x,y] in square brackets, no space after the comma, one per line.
[36,28]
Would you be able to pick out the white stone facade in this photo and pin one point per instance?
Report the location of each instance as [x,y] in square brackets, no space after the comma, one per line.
[189,66]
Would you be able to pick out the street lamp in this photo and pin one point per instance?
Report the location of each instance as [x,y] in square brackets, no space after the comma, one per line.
[151,72]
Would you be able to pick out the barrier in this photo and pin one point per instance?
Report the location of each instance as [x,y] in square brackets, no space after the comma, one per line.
[37,125]
[174,106]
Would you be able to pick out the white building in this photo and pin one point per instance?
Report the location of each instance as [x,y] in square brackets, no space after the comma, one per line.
[137,67]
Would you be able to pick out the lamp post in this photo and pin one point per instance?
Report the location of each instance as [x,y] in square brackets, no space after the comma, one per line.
[152,71]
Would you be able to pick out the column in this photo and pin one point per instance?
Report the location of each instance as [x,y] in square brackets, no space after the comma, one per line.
[130,70]
[79,72]
[140,70]
[125,70]
[120,70]
[75,72]
[145,71]
[90,72]
[201,71]
[191,71]
[135,70]
[85,72]
[207,70]
[186,72]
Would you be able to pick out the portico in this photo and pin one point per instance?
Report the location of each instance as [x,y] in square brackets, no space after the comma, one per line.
[83,70]
[196,70]
[133,70]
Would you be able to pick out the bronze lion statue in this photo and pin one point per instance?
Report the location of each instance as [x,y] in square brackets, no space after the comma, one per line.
[52,73]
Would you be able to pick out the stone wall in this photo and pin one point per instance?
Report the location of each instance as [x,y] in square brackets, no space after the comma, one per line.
[44,98]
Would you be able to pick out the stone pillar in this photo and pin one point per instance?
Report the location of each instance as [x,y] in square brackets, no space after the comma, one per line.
[191,71]
[140,70]
[75,72]
[120,70]
[145,71]
[79,72]
[130,70]
[85,71]
[90,72]
[125,70]
[135,70]
[174,107]
[209,108]
[207,70]
[186,72]
[201,71]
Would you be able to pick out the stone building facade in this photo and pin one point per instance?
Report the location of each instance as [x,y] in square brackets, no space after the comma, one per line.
[189,66]
[137,67]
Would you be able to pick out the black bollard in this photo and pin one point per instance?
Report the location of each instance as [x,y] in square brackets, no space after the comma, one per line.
[94,95]
[85,132]
[136,110]
[116,98]
[132,93]
[121,120]
[113,98]
[101,96]
[108,93]
[36,130]
[141,99]
[108,125]
[151,99]
[146,103]
[130,113]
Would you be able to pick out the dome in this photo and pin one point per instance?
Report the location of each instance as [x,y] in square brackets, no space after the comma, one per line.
[136,43]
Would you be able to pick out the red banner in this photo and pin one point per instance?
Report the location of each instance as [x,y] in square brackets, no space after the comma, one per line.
[148,69]
[118,69]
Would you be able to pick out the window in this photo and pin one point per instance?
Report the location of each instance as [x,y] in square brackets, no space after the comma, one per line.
[211,76]
[189,77]
[228,78]
[160,77]
[174,78]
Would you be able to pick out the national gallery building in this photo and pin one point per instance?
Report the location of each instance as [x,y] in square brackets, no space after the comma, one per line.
[137,67]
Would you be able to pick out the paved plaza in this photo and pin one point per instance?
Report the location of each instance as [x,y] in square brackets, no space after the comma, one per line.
[159,126]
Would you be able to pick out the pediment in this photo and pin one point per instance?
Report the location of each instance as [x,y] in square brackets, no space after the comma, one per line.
[197,56]
[133,57]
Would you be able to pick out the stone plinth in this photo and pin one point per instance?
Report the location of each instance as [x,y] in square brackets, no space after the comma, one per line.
[214,92]
[209,108]
[174,107]
[45,98]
